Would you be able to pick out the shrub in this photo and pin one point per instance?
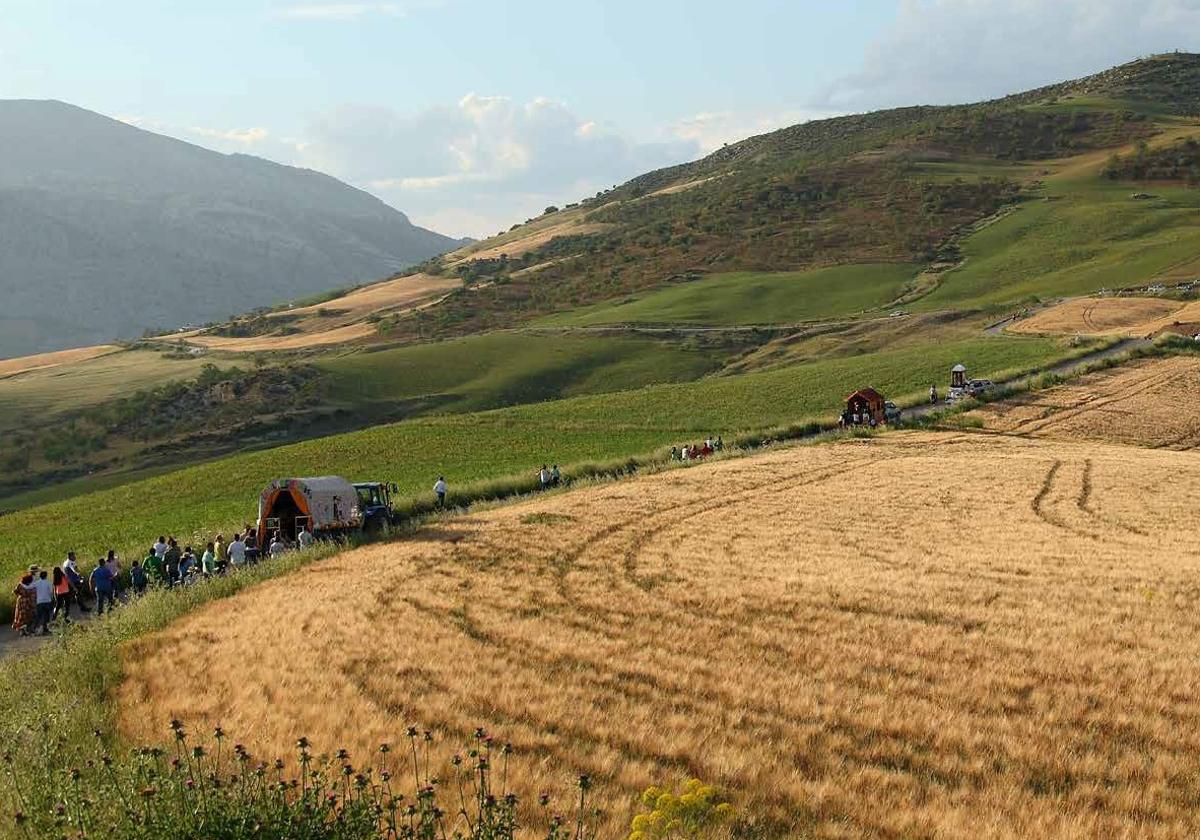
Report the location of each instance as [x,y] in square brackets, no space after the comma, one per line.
[696,811]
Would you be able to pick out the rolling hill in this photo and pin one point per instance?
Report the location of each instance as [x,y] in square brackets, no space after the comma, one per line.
[107,230]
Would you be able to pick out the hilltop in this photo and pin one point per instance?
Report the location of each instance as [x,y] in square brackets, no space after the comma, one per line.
[107,230]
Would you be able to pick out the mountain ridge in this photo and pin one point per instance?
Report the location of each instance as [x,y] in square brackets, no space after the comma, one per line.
[107,230]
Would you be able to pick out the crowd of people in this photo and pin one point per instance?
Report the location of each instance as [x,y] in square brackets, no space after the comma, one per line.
[695,451]
[45,596]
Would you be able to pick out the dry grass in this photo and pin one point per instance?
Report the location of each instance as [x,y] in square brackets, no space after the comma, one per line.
[1024,662]
[42,361]
[336,321]
[522,245]
[1147,403]
[1134,316]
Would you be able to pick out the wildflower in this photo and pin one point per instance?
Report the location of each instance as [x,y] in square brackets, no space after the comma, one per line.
[585,782]
[197,751]
[342,755]
[385,775]
[506,749]
[74,774]
[412,732]
[19,816]
[725,811]
[457,760]
[190,784]
[479,734]
[106,760]
[510,799]
[385,748]
[218,733]
[427,735]
[302,743]
[650,795]
[544,800]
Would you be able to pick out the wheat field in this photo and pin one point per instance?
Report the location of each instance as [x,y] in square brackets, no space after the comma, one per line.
[953,635]
[1132,316]
[1147,403]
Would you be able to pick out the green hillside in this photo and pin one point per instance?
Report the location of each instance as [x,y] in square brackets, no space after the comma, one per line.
[756,298]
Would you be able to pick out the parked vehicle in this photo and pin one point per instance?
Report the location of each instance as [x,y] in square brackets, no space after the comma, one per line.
[891,412]
[977,387]
[329,506]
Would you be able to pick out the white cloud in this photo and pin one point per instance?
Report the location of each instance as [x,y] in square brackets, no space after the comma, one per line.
[240,136]
[945,51]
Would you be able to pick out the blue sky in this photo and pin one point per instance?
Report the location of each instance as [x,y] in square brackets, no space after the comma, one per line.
[472,115]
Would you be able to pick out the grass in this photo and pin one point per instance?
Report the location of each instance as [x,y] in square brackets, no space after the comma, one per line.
[795,628]
[194,503]
[507,368]
[747,297]
[37,394]
[1087,235]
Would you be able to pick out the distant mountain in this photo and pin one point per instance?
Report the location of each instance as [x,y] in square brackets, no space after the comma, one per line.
[107,230]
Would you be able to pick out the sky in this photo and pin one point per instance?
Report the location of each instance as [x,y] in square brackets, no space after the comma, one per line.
[472,115]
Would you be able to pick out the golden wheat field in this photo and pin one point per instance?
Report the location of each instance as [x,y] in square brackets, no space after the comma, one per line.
[953,635]
[1148,403]
[1109,316]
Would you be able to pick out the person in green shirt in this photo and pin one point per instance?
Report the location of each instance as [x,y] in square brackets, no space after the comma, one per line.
[153,565]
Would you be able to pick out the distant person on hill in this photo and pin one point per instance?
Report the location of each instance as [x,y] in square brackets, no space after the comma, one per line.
[278,545]
[137,577]
[103,586]
[26,608]
[720,445]
[114,569]
[208,561]
[439,489]
[160,547]
[674,453]
[544,476]
[305,539]
[555,476]
[933,394]
[62,593]
[237,552]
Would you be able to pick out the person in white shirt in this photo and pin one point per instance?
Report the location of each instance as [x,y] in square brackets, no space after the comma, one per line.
[45,601]
[305,539]
[439,488]
[544,477]
[237,551]
[160,547]
[278,546]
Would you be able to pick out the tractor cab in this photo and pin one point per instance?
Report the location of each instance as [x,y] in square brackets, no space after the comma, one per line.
[375,502]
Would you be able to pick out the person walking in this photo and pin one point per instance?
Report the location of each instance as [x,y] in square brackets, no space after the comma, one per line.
[555,476]
[208,561]
[439,489]
[160,547]
[305,538]
[137,577]
[237,552]
[62,594]
[933,394]
[544,476]
[26,608]
[78,584]
[278,545]
[171,562]
[43,592]
[104,587]
[222,553]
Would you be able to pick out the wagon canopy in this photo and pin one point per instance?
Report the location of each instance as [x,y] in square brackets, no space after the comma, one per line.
[326,503]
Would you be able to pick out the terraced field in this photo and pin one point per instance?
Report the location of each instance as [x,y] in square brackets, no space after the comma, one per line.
[1147,403]
[1132,316]
[796,626]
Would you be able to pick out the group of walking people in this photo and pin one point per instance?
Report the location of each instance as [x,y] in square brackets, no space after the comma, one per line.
[47,595]
[695,451]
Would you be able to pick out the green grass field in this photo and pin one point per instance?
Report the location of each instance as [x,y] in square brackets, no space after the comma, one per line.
[38,393]
[196,502]
[508,368]
[747,297]
[1086,235]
